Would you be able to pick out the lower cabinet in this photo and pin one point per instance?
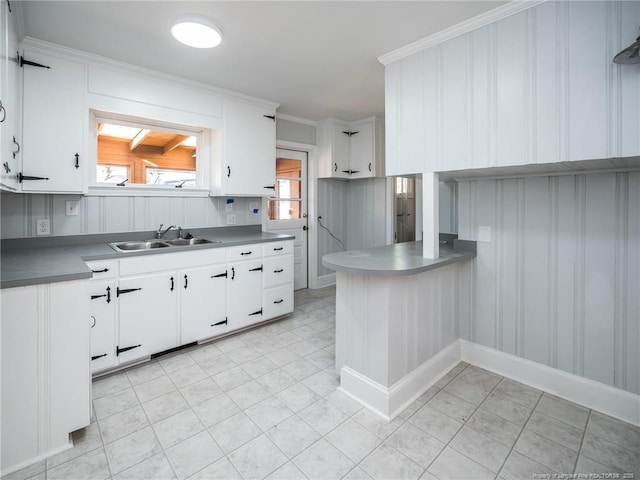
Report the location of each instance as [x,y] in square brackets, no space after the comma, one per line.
[244,293]
[102,313]
[203,297]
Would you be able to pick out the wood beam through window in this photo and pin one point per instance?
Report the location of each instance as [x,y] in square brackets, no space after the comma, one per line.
[137,140]
[175,143]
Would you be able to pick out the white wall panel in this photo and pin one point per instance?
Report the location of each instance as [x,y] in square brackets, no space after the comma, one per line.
[481,78]
[558,283]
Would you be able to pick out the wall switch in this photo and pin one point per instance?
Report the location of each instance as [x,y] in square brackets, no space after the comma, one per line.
[231,219]
[484,233]
[43,227]
[72,208]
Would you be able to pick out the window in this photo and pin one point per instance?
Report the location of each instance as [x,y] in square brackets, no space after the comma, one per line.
[131,151]
[286,204]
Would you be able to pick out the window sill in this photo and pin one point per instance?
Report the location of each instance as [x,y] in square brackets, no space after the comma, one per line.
[102,190]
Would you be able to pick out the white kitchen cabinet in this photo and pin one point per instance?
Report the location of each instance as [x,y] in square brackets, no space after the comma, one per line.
[102,312]
[53,124]
[244,293]
[278,279]
[351,150]
[46,379]
[10,130]
[203,297]
[246,165]
[147,313]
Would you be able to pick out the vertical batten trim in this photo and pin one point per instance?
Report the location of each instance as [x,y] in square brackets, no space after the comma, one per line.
[498,250]
[473,202]
[520,262]
[102,214]
[132,214]
[563,83]
[620,317]
[439,108]
[28,227]
[530,115]
[579,274]
[470,100]
[552,272]
[493,95]
[610,82]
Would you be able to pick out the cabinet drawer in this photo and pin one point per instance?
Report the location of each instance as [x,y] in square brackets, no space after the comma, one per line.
[171,261]
[277,270]
[103,269]
[278,301]
[277,248]
[244,252]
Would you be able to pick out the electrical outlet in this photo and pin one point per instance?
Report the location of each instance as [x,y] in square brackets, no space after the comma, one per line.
[72,208]
[43,227]
[231,219]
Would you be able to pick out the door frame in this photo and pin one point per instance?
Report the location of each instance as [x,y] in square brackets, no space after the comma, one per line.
[312,220]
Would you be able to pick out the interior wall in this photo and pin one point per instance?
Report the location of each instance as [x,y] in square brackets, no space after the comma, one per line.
[366,213]
[558,281]
[332,201]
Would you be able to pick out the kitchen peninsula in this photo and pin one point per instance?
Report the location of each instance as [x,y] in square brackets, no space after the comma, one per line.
[397,313]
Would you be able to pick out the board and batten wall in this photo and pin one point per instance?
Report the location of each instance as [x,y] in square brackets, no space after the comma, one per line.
[559,281]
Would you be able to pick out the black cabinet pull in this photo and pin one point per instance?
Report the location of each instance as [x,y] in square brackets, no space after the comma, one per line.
[104,270]
[172,284]
[272,117]
[95,357]
[246,253]
[17,150]
[22,62]
[277,249]
[7,168]
[77,163]
[186,282]
[22,178]
[351,134]
[228,171]
[257,269]
[125,349]
[223,322]
[370,167]
[272,187]
[233,273]
[278,301]
[126,290]
[278,271]
[259,312]
[4,112]
[346,171]
[335,167]
[220,275]
[94,321]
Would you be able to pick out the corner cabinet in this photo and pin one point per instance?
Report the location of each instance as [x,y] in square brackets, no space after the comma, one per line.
[53,154]
[351,150]
[246,164]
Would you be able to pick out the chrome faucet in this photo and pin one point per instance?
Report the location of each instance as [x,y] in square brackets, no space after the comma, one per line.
[179,232]
[160,233]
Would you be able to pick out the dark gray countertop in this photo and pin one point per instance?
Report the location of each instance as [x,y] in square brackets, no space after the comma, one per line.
[398,259]
[31,261]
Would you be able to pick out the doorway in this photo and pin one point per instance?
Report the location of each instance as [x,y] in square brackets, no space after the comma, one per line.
[287,208]
[405,209]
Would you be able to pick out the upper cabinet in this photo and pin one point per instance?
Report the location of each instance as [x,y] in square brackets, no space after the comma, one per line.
[538,86]
[246,165]
[54,124]
[9,100]
[351,149]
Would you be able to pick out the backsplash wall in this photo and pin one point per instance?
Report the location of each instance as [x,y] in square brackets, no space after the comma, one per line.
[558,281]
[19,213]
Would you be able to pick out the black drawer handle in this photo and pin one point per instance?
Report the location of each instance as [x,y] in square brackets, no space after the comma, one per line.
[172,285]
[233,273]
[278,249]
[223,322]
[125,349]
[257,269]
[278,301]
[278,271]
[126,290]
[104,270]
[95,357]
[228,172]
[259,312]
[220,275]
[246,253]
[186,282]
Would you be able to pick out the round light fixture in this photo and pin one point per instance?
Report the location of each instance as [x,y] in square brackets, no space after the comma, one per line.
[197,33]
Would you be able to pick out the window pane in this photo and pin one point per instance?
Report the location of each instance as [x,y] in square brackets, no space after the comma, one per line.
[288,167]
[286,188]
[285,209]
[112,173]
[163,176]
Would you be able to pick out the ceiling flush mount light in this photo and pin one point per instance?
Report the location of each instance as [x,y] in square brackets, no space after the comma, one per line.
[196,32]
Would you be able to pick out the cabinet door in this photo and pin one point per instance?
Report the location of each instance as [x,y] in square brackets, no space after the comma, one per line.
[147,307]
[249,151]
[203,296]
[102,311]
[9,111]
[244,294]
[53,124]
[340,151]
[362,151]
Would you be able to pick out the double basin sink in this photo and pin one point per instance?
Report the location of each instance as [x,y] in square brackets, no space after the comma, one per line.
[153,244]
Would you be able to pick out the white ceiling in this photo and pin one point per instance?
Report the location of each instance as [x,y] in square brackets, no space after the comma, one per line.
[317,59]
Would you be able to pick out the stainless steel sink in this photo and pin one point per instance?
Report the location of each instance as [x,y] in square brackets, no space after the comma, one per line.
[129,246]
[179,242]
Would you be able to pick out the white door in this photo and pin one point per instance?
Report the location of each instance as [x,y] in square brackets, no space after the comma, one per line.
[287,209]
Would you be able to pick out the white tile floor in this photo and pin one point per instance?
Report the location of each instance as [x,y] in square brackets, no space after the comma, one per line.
[263,404]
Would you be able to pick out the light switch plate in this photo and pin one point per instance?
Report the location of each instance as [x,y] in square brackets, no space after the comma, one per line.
[484,233]
[231,219]
[43,227]
[71,208]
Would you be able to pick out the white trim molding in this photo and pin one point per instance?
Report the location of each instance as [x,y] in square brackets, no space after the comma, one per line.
[458,29]
[389,402]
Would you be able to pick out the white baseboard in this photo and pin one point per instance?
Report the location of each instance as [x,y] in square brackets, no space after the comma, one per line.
[589,393]
[388,402]
[325,280]
[36,459]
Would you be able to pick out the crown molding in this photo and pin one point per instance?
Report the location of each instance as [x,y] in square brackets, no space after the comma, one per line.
[461,28]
